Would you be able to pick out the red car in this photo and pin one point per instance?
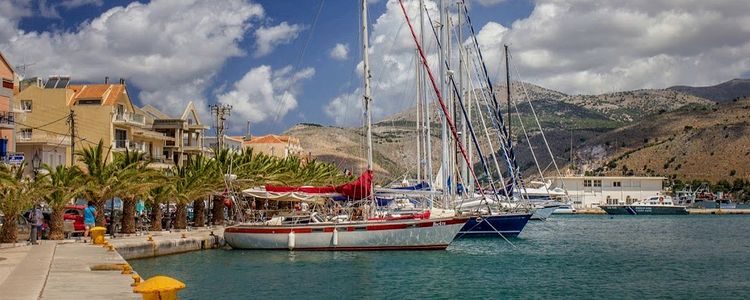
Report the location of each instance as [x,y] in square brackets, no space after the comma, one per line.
[75,214]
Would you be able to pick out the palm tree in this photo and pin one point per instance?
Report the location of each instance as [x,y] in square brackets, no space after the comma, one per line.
[65,183]
[100,179]
[17,193]
[136,179]
[160,194]
[194,181]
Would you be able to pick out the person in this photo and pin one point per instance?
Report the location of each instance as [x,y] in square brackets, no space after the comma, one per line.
[39,222]
[89,219]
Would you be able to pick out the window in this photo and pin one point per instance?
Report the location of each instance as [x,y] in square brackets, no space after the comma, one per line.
[587,183]
[616,184]
[26,105]
[597,183]
[90,102]
[25,134]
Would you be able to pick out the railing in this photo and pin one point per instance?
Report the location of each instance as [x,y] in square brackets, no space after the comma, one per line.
[7,118]
[129,145]
[128,117]
[43,137]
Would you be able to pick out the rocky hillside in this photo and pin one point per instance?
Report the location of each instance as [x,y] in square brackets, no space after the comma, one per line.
[622,130]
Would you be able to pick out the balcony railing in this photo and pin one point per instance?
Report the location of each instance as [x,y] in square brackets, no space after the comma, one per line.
[43,137]
[129,145]
[7,118]
[129,118]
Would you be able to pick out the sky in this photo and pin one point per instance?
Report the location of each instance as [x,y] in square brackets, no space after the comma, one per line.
[279,63]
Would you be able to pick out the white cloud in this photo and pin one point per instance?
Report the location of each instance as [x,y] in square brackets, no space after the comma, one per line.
[267,38]
[264,94]
[582,46]
[339,52]
[169,49]
[10,13]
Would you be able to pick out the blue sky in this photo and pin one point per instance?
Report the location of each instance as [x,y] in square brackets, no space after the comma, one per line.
[577,47]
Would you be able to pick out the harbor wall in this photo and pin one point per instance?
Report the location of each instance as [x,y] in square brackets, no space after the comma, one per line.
[142,247]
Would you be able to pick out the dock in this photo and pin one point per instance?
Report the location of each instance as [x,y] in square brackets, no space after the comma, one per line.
[71,269]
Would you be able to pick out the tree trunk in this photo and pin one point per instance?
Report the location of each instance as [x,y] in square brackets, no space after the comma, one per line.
[56,226]
[156,215]
[199,213]
[128,215]
[180,216]
[218,211]
[9,232]
[100,218]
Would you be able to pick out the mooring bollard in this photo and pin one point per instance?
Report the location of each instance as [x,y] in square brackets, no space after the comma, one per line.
[97,235]
[159,288]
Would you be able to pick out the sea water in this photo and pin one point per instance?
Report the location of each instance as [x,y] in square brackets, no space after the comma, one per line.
[573,257]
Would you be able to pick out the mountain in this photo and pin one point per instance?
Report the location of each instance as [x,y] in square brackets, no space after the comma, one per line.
[691,143]
[601,129]
[723,92]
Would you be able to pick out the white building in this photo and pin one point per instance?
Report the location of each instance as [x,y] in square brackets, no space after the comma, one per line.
[589,191]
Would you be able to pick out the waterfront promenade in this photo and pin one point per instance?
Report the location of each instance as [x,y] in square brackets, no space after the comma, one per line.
[72,269]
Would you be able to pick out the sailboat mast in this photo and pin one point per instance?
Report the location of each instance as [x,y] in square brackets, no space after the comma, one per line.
[445,165]
[464,136]
[427,110]
[366,72]
[419,116]
[507,88]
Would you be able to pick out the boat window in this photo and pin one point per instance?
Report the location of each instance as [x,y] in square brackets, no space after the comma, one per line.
[616,184]
[587,182]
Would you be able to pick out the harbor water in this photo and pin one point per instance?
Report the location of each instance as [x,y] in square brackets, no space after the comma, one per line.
[579,257]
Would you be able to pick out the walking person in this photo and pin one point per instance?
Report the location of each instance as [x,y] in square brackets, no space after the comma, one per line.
[89,219]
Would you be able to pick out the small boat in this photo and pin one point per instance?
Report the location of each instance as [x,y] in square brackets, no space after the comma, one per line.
[505,224]
[656,205]
[564,209]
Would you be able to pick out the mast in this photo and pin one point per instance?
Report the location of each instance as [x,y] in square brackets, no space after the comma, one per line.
[419,116]
[445,167]
[464,136]
[366,75]
[427,110]
[507,88]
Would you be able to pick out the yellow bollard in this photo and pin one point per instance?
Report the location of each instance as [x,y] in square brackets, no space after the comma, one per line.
[126,269]
[97,235]
[159,288]
[150,238]
[136,280]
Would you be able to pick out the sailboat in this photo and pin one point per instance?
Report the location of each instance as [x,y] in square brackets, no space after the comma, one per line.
[305,229]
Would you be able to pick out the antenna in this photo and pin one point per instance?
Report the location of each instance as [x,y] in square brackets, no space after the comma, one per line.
[22,68]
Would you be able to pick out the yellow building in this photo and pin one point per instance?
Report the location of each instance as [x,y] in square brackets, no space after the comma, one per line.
[276,145]
[101,112]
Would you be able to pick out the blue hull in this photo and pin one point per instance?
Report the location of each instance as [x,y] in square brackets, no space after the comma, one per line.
[508,224]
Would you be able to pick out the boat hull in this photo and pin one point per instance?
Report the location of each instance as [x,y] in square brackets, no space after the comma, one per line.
[509,225]
[643,210]
[544,212]
[432,234]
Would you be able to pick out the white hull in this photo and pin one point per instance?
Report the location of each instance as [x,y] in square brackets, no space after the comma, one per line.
[543,213]
[390,235]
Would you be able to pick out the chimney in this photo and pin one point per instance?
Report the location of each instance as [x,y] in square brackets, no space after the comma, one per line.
[106,79]
[122,81]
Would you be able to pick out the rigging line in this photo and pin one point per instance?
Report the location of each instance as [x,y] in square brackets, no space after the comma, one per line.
[469,125]
[299,60]
[439,95]
[498,113]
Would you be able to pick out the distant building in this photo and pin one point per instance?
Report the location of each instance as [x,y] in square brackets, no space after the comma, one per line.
[7,114]
[590,191]
[186,133]
[231,142]
[275,145]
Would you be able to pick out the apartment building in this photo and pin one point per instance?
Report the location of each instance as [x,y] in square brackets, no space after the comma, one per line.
[7,115]
[101,112]
[276,145]
[185,133]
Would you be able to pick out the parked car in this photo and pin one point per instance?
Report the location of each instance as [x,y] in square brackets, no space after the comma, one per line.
[75,213]
[24,228]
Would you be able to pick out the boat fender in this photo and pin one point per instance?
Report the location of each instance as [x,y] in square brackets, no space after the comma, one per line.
[479,219]
[290,241]
[335,239]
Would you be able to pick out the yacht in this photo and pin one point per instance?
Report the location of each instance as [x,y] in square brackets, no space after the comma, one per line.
[656,205]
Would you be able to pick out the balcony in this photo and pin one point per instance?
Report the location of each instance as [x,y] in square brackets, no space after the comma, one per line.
[129,118]
[7,120]
[42,138]
[122,145]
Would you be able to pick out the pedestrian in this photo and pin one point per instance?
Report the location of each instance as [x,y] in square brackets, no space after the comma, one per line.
[39,222]
[89,219]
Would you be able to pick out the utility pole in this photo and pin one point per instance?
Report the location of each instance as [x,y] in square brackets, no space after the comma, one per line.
[221,112]
[72,125]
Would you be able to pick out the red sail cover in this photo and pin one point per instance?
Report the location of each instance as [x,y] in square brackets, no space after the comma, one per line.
[358,189]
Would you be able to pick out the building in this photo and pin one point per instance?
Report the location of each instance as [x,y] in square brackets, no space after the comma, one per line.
[275,145]
[7,114]
[232,143]
[590,191]
[102,112]
[186,134]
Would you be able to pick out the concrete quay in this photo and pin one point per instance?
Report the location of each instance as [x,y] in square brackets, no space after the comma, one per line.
[166,243]
[718,211]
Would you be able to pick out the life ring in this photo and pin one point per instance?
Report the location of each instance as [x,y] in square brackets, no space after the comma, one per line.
[479,219]
[661,199]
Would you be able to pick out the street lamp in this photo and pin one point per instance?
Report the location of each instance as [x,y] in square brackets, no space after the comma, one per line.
[36,163]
